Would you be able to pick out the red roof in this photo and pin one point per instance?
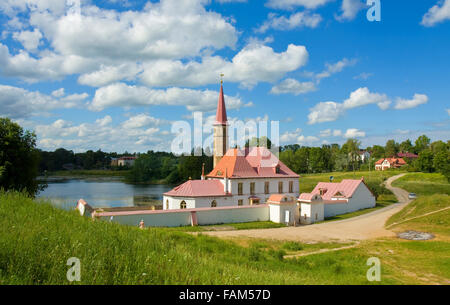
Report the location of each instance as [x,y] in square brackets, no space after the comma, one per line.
[199,188]
[394,162]
[254,162]
[221,115]
[343,189]
[407,155]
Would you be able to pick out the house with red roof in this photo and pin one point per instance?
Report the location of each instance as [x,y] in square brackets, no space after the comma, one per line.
[240,177]
[387,163]
[331,199]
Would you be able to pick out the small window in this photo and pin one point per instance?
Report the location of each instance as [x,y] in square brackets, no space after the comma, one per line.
[266,187]
[252,188]
[240,202]
[183,205]
[280,187]
[317,216]
[291,186]
[167,204]
[214,204]
[240,187]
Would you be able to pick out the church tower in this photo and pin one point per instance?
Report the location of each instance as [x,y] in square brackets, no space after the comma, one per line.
[220,129]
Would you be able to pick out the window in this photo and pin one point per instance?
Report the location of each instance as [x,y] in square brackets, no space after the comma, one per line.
[183,205]
[240,187]
[280,187]
[291,186]
[252,188]
[277,169]
[167,204]
[266,187]
[214,204]
[240,202]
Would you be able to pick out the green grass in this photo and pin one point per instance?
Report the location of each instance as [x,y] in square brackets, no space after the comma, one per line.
[424,183]
[229,226]
[36,240]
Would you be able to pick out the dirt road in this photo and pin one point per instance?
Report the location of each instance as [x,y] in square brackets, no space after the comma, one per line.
[367,226]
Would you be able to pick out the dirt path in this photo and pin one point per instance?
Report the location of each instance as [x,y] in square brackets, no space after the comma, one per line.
[367,226]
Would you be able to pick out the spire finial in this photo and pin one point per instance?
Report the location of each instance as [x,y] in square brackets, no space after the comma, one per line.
[221,78]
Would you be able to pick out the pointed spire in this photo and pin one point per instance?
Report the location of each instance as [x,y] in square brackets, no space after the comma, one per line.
[221,115]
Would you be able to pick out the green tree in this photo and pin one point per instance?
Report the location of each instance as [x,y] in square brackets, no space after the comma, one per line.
[406,146]
[378,152]
[441,163]
[391,149]
[19,158]
[422,143]
[425,161]
[351,148]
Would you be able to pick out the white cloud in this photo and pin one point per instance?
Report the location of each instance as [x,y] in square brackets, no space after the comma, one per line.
[293,86]
[110,74]
[105,121]
[294,21]
[59,92]
[290,4]
[29,39]
[417,100]
[349,9]
[335,68]
[354,133]
[253,64]
[448,111]
[19,103]
[141,120]
[325,112]
[437,14]
[331,111]
[122,95]
[290,136]
[337,133]
[363,96]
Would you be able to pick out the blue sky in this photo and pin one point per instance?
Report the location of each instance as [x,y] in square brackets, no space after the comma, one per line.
[115,74]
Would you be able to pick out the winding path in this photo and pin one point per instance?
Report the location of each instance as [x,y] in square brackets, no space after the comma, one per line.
[366,226]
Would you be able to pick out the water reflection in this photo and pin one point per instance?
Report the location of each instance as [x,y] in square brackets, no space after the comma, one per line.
[102,192]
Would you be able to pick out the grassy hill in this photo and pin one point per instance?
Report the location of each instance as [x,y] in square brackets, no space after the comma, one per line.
[36,240]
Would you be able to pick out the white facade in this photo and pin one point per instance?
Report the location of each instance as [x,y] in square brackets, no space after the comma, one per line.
[311,212]
[362,198]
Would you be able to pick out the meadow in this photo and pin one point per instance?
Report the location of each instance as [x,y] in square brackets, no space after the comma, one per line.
[36,240]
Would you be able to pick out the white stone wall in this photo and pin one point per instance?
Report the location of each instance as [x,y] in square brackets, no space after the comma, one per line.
[311,213]
[199,202]
[362,199]
[278,213]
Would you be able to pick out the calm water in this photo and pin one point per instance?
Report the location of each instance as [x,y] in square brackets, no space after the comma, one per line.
[101,192]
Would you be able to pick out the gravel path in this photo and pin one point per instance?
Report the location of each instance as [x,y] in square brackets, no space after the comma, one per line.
[366,226]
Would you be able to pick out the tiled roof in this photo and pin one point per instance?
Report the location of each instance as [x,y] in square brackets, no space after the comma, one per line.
[392,161]
[346,187]
[254,162]
[199,188]
[407,155]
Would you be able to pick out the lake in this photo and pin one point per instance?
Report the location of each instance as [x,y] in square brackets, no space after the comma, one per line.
[101,192]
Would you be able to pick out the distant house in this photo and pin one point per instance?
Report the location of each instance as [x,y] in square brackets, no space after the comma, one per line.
[364,155]
[331,199]
[114,161]
[387,163]
[407,155]
[126,161]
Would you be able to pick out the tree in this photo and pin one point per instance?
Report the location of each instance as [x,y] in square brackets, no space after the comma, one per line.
[259,142]
[441,163]
[351,147]
[406,146]
[378,152]
[19,158]
[425,161]
[422,143]
[391,149]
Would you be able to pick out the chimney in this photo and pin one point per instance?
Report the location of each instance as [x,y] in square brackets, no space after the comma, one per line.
[203,171]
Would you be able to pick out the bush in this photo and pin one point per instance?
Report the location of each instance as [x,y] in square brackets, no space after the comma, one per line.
[377,188]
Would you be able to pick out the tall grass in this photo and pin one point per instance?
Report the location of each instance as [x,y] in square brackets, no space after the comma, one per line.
[424,183]
[36,240]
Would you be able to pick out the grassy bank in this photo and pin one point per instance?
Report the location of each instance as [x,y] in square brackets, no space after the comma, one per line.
[424,183]
[36,240]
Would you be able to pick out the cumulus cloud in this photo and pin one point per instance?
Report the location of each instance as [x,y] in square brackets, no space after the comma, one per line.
[293,86]
[297,137]
[349,9]
[122,95]
[291,4]
[253,64]
[29,39]
[437,14]
[110,74]
[325,112]
[20,103]
[418,99]
[294,21]
[354,133]
[335,68]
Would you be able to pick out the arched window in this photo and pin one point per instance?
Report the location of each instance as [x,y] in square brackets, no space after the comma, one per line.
[183,204]
[214,204]
[167,204]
